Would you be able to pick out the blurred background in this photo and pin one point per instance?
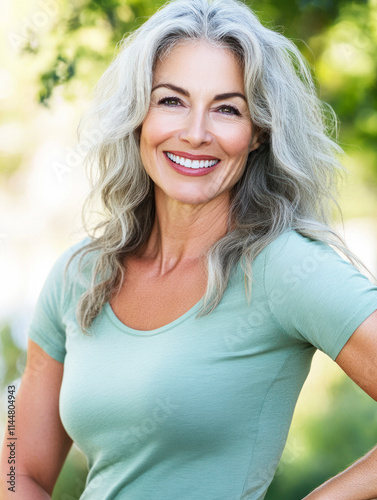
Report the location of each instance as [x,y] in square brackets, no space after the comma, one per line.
[52,54]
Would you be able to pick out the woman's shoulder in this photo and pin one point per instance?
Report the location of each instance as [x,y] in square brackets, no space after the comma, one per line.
[69,251]
[290,237]
[314,293]
[73,252]
[293,256]
[295,262]
[292,245]
[67,265]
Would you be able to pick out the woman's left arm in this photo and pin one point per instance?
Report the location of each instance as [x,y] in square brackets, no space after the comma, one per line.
[358,359]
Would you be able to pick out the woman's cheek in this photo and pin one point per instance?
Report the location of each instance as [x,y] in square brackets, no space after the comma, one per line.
[162,125]
[234,139]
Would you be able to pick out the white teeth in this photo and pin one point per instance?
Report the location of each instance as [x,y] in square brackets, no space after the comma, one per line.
[191,163]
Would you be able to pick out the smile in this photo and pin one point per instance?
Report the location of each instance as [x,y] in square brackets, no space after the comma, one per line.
[185,162]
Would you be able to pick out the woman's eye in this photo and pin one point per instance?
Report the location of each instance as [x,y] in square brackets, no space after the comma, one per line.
[229,110]
[169,101]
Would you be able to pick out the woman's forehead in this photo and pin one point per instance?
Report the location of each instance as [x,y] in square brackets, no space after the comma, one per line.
[199,60]
[186,45]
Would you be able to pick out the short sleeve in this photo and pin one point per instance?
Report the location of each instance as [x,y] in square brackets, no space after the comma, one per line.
[315,294]
[47,327]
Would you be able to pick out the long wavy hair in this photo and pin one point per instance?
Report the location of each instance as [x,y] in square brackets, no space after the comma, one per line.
[290,181]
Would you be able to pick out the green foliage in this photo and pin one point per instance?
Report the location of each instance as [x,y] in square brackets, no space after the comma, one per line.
[11,354]
[71,482]
[62,71]
[84,30]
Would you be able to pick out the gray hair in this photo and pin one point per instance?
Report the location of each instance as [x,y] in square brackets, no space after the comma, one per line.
[290,181]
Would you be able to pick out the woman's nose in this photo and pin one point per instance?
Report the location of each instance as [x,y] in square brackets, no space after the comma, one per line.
[195,129]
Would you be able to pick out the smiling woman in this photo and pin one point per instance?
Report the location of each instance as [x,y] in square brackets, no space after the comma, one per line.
[186,322]
[191,113]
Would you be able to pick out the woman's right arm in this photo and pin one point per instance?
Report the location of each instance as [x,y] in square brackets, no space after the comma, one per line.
[42,443]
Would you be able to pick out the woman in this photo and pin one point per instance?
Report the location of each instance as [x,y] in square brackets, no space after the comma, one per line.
[215,174]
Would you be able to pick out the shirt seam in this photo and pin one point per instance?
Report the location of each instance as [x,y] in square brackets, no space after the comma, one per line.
[289,355]
[273,381]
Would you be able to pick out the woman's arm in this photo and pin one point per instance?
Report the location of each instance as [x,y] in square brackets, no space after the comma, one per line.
[42,443]
[358,359]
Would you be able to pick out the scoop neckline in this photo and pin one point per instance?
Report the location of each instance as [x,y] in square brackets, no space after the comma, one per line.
[148,333]
[156,331]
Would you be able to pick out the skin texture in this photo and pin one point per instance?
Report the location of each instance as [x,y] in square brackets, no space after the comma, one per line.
[191,215]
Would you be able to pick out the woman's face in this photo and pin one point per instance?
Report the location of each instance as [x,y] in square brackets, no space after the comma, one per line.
[197,134]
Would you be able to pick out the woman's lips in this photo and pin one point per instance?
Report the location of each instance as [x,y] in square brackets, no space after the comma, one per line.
[194,172]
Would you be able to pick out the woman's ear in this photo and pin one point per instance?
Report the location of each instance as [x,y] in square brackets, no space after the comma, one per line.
[259,137]
[255,142]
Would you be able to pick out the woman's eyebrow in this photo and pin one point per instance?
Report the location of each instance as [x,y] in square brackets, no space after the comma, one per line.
[172,87]
[228,95]
[218,97]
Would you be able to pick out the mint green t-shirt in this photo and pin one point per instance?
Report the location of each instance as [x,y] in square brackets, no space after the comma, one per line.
[199,409]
